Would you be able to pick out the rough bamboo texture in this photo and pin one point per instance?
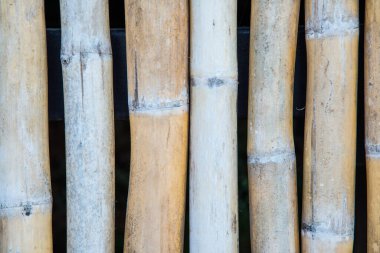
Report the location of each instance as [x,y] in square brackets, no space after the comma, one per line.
[89,125]
[372,122]
[332,29]
[213,132]
[157,60]
[271,157]
[25,191]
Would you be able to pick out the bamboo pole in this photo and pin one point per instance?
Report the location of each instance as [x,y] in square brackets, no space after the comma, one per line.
[157,56]
[213,143]
[372,122]
[271,157]
[25,191]
[332,30]
[89,125]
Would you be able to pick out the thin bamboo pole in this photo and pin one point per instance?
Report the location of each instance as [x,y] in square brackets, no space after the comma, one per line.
[213,143]
[25,191]
[157,56]
[330,129]
[89,125]
[271,158]
[372,122]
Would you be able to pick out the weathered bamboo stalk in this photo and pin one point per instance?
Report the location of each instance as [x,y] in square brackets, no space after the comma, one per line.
[213,150]
[25,191]
[157,56]
[330,129]
[86,57]
[271,158]
[372,122]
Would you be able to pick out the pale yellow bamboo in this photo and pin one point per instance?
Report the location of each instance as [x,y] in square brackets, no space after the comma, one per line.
[89,125]
[25,195]
[372,122]
[330,127]
[213,144]
[157,59]
[271,158]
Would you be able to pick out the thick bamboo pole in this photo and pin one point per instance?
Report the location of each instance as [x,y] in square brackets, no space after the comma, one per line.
[157,56]
[271,158]
[213,149]
[25,193]
[330,128]
[89,125]
[372,122]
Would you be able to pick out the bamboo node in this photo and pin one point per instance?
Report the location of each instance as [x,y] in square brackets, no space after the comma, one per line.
[331,27]
[308,228]
[327,231]
[276,157]
[66,58]
[25,208]
[213,82]
[327,235]
[372,150]
[141,106]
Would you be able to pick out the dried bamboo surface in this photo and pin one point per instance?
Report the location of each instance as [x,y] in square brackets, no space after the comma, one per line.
[25,191]
[271,157]
[89,125]
[372,122]
[157,60]
[213,133]
[332,29]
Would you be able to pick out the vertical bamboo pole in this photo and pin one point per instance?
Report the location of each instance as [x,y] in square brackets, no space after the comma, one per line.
[25,193]
[330,129]
[372,122]
[157,56]
[213,148]
[89,125]
[271,158]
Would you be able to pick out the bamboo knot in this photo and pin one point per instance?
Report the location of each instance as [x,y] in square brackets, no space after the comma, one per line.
[213,82]
[275,157]
[25,208]
[372,150]
[139,106]
[331,27]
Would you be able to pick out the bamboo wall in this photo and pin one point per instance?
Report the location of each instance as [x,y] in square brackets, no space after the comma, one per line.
[360,183]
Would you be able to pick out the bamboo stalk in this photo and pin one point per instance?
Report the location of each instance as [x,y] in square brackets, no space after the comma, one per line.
[372,107]
[25,191]
[213,143]
[89,125]
[332,30]
[157,55]
[271,158]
